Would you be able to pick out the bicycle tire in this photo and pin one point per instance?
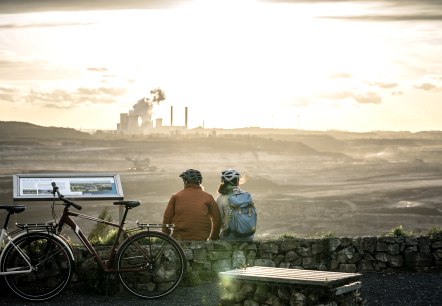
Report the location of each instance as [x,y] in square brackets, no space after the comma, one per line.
[52,265]
[162,265]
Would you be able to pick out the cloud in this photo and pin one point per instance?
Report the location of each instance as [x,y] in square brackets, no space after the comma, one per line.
[43,25]
[28,6]
[31,70]
[390,10]
[368,98]
[97,69]
[341,75]
[386,17]
[427,87]
[364,98]
[384,85]
[60,98]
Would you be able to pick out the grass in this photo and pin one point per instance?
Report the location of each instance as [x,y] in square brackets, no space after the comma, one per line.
[102,234]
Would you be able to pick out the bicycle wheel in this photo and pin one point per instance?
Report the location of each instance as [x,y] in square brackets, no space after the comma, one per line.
[51,264]
[154,264]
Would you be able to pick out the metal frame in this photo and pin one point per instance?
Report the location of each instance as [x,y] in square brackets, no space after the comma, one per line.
[89,186]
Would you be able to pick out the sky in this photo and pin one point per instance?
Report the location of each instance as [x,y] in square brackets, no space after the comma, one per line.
[316,65]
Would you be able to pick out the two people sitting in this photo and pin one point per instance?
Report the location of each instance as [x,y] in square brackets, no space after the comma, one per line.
[195,213]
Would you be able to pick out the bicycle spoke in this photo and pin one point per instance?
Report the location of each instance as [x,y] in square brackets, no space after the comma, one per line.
[51,267]
[158,261]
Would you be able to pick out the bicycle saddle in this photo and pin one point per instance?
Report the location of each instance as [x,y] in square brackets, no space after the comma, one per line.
[130,204]
[13,208]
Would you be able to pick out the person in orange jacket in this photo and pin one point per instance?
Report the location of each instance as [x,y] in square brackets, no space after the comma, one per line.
[193,211]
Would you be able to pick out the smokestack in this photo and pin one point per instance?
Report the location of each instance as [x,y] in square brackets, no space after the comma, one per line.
[185,117]
[171,115]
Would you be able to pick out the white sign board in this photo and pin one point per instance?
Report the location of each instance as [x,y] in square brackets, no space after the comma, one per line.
[80,186]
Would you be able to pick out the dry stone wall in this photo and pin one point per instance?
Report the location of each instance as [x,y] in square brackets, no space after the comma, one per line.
[343,254]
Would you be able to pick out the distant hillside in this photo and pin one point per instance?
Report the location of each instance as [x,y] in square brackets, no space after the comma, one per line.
[14,129]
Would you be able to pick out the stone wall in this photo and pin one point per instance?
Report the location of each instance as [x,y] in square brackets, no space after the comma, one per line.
[344,254]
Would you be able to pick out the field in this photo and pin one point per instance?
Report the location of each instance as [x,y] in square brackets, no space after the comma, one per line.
[304,183]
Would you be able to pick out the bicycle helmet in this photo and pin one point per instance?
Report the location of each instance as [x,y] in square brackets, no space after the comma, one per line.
[230,175]
[192,176]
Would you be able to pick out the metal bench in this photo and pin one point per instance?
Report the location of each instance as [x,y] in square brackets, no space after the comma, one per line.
[267,285]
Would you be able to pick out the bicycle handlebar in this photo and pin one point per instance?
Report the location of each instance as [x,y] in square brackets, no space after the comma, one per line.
[61,197]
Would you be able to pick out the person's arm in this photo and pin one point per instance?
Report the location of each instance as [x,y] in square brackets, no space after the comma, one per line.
[216,219]
[168,214]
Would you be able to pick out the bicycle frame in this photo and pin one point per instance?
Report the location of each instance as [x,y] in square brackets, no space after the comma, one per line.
[4,234]
[106,265]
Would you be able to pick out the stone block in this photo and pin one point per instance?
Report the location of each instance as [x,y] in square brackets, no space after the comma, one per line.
[348,268]
[199,255]
[346,254]
[298,299]
[317,247]
[289,245]
[395,261]
[417,259]
[221,265]
[217,255]
[220,245]
[436,244]
[291,256]
[366,265]
[438,257]
[188,254]
[308,263]
[381,246]
[284,265]
[278,259]
[393,249]
[264,263]
[358,244]
[251,303]
[382,257]
[261,292]
[251,257]
[411,241]
[333,244]
[245,292]
[410,249]
[269,248]
[386,239]
[304,251]
[284,293]
[346,241]
[238,259]
[369,244]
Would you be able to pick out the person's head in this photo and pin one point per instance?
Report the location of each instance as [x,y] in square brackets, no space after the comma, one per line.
[229,179]
[191,176]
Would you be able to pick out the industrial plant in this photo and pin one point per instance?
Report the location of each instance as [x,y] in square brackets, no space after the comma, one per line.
[140,119]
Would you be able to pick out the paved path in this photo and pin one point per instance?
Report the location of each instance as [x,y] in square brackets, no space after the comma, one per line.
[378,289]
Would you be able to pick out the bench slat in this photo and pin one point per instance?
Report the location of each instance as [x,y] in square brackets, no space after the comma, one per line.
[293,276]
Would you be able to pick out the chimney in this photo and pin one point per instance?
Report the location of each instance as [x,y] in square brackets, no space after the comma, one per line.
[185,117]
[171,115]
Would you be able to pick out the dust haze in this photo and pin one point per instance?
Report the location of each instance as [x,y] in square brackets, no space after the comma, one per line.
[303,182]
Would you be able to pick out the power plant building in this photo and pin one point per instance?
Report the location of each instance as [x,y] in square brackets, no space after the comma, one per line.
[139,120]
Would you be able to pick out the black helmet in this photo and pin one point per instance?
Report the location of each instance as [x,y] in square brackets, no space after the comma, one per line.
[192,176]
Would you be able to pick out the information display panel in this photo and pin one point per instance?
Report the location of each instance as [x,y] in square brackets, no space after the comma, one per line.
[79,186]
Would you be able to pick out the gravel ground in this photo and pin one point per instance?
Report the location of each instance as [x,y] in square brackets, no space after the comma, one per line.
[398,288]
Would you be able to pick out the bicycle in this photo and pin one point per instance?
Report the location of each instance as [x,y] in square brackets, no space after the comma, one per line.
[149,263]
[31,261]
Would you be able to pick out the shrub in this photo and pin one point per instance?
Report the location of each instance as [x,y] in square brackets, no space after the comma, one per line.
[102,233]
[435,232]
[399,231]
[287,236]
